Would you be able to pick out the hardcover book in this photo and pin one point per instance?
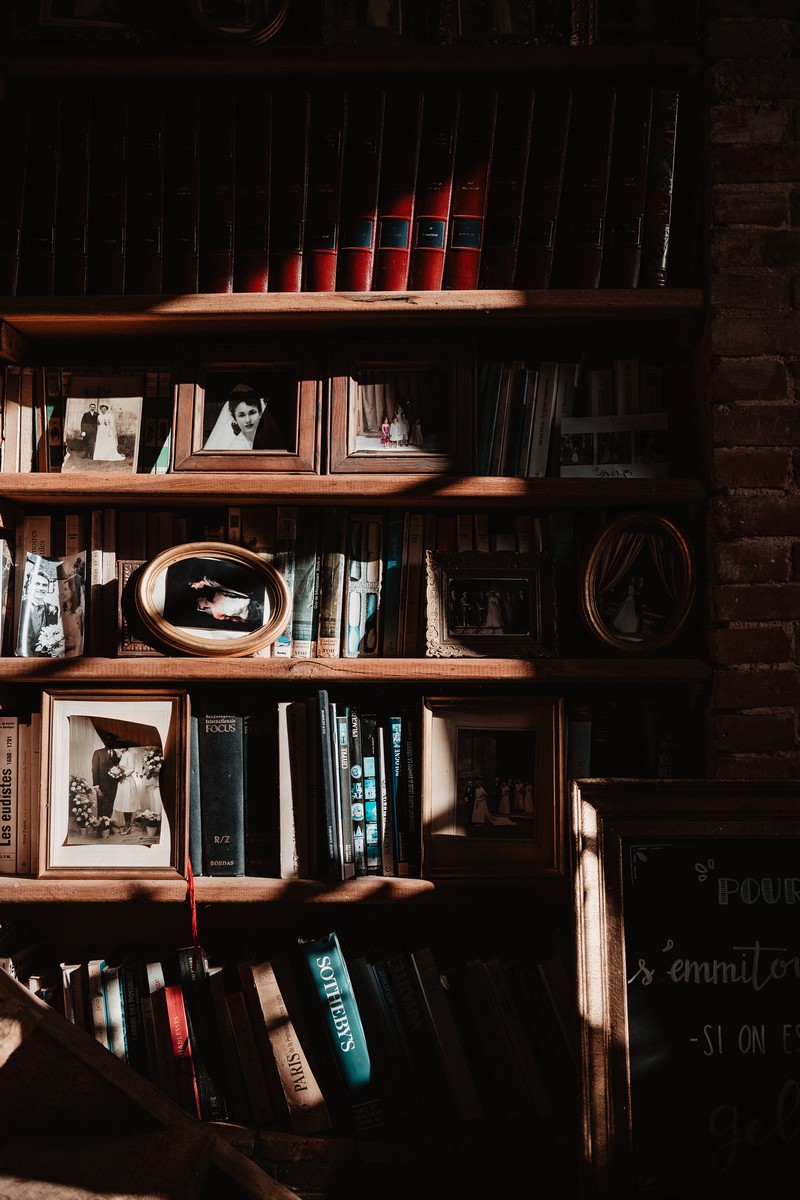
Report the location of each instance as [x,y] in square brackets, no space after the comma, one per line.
[473,159]
[288,189]
[402,122]
[182,195]
[660,187]
[144,261]
[217,175]
[434,188]
[9,782]
[37,265]
[253,171]
[325,154]
[506,193]
[331,584]
[13,165]
[358,217]
[630,145]
[363,579]
[541,212]
[221,753]
[72,203]
[108,194]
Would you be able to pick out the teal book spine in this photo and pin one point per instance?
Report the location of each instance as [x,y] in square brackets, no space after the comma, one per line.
[329,979]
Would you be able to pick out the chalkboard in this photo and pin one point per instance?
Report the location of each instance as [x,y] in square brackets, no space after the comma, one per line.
[688,933]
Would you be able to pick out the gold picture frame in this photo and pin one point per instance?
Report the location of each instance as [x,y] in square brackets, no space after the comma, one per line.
[513,741]
[212,599]
[114,780]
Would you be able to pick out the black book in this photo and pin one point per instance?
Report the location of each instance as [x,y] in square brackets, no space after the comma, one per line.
[221,754]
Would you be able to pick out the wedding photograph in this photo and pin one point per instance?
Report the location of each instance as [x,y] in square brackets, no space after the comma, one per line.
[101,434]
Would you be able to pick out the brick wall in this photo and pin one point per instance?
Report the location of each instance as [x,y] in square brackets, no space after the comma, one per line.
[751,409]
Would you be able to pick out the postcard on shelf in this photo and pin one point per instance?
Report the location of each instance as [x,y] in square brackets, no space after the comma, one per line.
[102,424]
[610,447]
[114,783]
[52,610]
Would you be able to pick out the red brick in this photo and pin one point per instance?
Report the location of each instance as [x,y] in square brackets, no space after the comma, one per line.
[753,561]
[759,768]
[748,468]
[796,560]
[756,732]
[748,336]
[750,644]
[734,79]
[794,206]
[757,379]
[741,164]
[748,206]
[747,124]
[732,248]
[755,425]
[755,689]
[752,8]
[748,39]
[754,515]
[756,602]
[772,293]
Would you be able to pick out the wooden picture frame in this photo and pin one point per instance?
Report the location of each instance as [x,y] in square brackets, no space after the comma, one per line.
[242,22]
[121,814]
[273,393]
[686,897]
[212,599]
[638,583]
[403,408]
[514,740]
[348,23]
[490,605]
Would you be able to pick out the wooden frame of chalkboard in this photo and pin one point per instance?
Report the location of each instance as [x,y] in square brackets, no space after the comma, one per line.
[687,909]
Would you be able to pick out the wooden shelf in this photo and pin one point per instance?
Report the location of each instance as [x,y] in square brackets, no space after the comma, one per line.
[243,890]
[314,671]
[239,313]
[410,491]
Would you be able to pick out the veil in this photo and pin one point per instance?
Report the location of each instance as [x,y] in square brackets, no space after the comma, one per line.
[222,436]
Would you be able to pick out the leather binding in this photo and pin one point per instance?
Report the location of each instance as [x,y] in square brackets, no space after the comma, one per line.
[288,187]
[13,169]
[253,163]
[660,183]
[512,139]
[622,248]
[181,194]
[402,125]
[359,207]
[37,264]
[145,249]
[325,156]
[217,190]
[543,187]
[72,202]
[108,194]
[581,229]
[476,132]
[434,188]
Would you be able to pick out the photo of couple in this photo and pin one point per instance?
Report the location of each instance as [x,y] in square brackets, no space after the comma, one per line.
[101,434]
[114,782]
[52,614]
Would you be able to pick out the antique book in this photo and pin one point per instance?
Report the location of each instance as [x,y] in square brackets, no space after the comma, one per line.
[340,727]
[253,167]
[25,798]
[172,1028]
[181,194]
[434,186]
[630,146]
[238,1099]
[358,216]
[72,199]
[330,848]
[14,166]
[288,189]
[221,751]
[512,139]
[325,155]
[363,578]
[9,785]
[331,584]
[108,194]
[285,562]
[189,968]
[304,588]
[114,1010]
[294,748]
[402,123]
[660,186]
[217,173]
[260,808]
[144,261]
[473,160]
[545,402]
[541,211]
[37,265]
[358,804]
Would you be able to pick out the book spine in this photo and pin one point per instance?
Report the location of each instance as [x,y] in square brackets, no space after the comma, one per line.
[357,799]
[359,204]
[173,1010]
[97,1007]
[305,583]
[131,989]
[402,126]
[581,232]
[347,866]
[72,204]
[326,150]
[622,247]
[330,846]
[506,193]
[114,1012]
[476,130]
[369,751]
[660,184]
[414,584]
[221,752]
[434,188]
[288,189]
[397,792]
[341,1021]
[385,805]
[260,781]
[37,265]
[541,219]
[238,1101]
[331,586]
[181,195]
[260,1102]
[285,562]
[546,389]
[217,174]
[9,786]
[253,166]
[108,195]
[24,799]
[13,166]
[293,752]
[145,249]
[192,970]
[364,569]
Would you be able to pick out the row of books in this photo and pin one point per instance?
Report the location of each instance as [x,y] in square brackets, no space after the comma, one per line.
[317,1038]
[574,420]
[366,188]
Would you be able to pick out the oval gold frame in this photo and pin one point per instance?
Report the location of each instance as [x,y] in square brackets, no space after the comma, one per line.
[256,36]
[167,634]
[590,611]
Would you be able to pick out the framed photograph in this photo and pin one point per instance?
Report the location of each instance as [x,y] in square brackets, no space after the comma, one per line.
[86,14]
[114,772]
[249,21]
[493,788]
[212,599]
[490,605]
[358,21]
[237,409]
[52,608]
[638,583]
[405,409]
[102,425]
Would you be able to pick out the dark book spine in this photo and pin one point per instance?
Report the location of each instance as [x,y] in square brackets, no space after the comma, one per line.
[253,164]
[13,166]
[622,247]
[434,190]
[145,249]
[660,185]
[192,976]
[37,265]
[325,154]
[476,131]
[329,844]
[72,204]
[181,195]
[410,756]
[222,793]
[543,187]
[399,160]
[369,753]
[108,194]
[342,732]
[131,983]
[195,807]
[217,174]
[359,203]
[288,189]
[397,791]
[506,187]
[260,795]
[357,799]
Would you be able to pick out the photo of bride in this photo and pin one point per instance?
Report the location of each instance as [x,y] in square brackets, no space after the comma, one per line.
[101,432]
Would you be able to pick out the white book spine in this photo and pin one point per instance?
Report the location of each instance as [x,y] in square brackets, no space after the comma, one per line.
[9,787]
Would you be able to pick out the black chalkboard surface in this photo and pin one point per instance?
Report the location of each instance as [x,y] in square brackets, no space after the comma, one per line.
[688,911]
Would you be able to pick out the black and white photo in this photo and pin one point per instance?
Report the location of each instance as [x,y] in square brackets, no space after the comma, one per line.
[101,432]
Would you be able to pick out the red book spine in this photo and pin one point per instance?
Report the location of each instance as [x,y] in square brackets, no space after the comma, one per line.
[359,207]
[325,154]
[660,182]
[72,203]
[187,1092]
[543,186]
[37,263]
[581,231]
[144,258]
[288,189]
[473,161]
[217,190]
[622,245]
[434,188]
[13,168]
[402,125]
[512,140]
[108,160]
[251,227]
[181,195]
